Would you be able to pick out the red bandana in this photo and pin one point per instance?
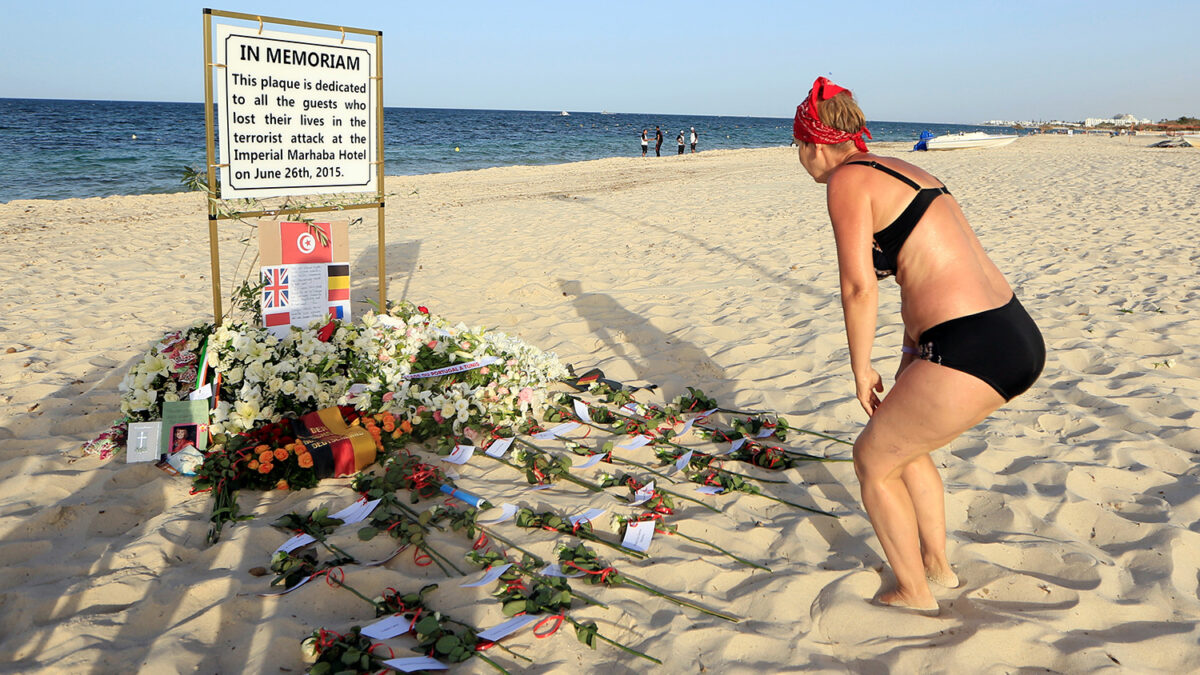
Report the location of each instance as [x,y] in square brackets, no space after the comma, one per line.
[809,127]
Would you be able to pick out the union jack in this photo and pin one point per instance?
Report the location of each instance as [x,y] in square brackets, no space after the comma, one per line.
[275,292]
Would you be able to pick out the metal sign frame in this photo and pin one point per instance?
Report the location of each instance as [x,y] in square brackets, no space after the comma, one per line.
[216,213]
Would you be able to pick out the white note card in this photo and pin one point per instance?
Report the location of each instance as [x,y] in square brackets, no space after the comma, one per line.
[388,627]
[461,454]
[581,410]
[643,494]
[710,489]
[509,627]
[764,432]
[506,511]
[560,430]
[295,543]
[492,574]
[590,514]
[635,442]
[412,664]
[681,463]
[638,535]
[498,447]
[591,461]
[553,570]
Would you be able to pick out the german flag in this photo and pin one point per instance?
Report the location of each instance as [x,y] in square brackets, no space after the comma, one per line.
[337,449]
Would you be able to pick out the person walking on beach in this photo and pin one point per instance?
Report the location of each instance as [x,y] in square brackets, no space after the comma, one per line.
[658,139]
[679,140]
[645,141]
[693,139]
[968,345]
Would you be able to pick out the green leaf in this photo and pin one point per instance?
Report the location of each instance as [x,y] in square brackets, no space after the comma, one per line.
[514,607]
[368,533]
[447,644]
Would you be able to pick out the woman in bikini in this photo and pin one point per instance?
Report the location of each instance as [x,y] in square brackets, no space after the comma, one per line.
[968,347]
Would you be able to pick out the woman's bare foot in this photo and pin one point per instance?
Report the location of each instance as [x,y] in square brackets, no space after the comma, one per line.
[943,577]
[926,606]
[939,571]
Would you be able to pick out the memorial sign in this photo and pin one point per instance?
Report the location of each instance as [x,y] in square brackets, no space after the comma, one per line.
[297,114]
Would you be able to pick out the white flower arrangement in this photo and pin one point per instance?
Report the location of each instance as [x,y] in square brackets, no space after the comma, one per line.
[263,378]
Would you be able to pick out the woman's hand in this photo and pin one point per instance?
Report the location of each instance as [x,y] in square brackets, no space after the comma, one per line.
[866,385]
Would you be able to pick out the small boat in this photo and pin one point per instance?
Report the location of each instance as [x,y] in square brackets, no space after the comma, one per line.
[970,139]
[1193,140]
[564,114]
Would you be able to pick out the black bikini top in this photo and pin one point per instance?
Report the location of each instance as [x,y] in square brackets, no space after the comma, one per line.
[890,239]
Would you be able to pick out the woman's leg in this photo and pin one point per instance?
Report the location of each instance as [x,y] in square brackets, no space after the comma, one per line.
[924,487]
[927,408]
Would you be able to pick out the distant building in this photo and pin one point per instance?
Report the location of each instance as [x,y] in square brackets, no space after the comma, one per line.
[1114,121]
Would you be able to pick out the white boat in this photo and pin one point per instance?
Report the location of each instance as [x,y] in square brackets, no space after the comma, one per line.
[972,139]
[564,114]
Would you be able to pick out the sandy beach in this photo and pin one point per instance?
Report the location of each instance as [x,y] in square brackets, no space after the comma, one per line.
[1073,512]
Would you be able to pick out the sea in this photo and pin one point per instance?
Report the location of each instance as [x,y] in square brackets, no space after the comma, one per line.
[58,149]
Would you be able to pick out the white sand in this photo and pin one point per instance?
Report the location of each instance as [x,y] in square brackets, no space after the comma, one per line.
[1074,512]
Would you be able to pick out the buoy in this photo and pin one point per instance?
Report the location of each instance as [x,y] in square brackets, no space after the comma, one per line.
[134,137]
[456,148]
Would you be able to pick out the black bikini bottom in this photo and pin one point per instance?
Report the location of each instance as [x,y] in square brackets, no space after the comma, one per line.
[1000,346]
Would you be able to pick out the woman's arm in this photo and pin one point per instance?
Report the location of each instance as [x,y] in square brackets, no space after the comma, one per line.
[850,213]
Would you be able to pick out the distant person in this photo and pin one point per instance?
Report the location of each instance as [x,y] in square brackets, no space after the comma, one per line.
[968,345]
[645,142]
[693,139]
[658,139]
[679,140]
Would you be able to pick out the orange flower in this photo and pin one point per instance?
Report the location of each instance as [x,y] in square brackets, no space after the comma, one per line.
[300,447]
[305,460]
[260,448]
[397,433]
[281,454]
[389,425]
[290,446]
[281,485]
[252,465]
[266,456]
[406,427]
[265,467]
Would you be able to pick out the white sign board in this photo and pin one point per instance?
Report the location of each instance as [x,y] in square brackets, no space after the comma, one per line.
[296,114]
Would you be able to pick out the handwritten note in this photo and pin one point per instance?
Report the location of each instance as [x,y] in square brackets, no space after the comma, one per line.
[461,454]
[643,494]
[388,627]
[638,535]
[498,447]
[356,512]
[295,542]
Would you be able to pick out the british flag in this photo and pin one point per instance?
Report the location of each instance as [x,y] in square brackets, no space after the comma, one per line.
[275,290]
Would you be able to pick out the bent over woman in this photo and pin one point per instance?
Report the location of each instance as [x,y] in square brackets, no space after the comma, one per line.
[968,347]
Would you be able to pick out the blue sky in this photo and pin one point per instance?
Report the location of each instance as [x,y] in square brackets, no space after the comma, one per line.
[963,61]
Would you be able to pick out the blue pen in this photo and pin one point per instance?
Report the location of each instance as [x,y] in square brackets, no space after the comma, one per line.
[463,495]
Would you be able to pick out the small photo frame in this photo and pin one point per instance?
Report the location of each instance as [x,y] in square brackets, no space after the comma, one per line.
[183,436]
[141,444]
